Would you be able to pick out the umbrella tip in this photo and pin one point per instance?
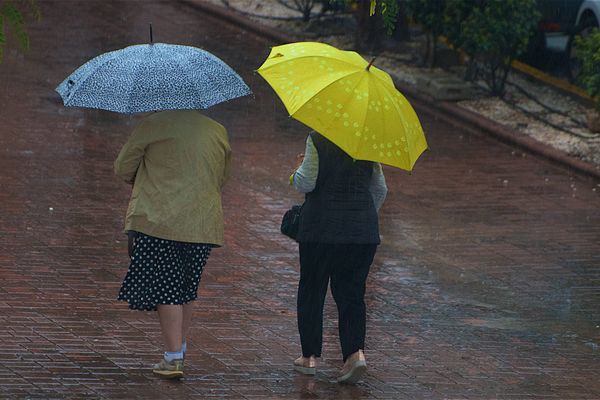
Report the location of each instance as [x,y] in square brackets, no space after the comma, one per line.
[151,38]
[371,63]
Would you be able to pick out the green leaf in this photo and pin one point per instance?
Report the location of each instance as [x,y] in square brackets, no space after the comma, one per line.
[493,32]
[588,51]
[16,22]
[390,11]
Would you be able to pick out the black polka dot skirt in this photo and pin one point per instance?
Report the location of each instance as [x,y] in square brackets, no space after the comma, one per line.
[163,272]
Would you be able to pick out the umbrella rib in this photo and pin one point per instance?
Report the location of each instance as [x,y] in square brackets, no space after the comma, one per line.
[221,96]
[135,74]
[366,111]
[212,81]
[323,89]
[399,110]
[312,56]
[383,120]
[85,77]
[188,73]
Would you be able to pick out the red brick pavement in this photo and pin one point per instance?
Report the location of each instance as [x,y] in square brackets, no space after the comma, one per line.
[487,284]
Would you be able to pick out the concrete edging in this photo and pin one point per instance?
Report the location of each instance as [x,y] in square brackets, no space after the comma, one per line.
[236,19]
[448,110]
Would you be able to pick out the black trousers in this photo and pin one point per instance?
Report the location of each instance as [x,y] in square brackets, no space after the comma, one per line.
[347,265]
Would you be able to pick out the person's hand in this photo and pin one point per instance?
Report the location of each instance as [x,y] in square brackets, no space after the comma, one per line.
[299,160]
[131,236]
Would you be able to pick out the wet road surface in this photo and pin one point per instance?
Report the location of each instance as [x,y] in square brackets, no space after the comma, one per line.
[486,285]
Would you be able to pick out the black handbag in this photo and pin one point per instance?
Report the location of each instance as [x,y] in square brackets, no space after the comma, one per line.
[291,221]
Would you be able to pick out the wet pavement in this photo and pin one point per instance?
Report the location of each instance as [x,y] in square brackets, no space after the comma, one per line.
[486,285]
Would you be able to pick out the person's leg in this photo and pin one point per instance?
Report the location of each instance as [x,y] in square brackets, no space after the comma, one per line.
[188,311]
[312,289]
[194,258]
[350,268]
[171,324]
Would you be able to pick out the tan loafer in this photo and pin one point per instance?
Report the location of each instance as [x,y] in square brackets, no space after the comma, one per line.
[169,370]
[354,368]
[306,365]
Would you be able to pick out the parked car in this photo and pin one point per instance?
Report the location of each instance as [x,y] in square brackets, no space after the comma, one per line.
[561,21]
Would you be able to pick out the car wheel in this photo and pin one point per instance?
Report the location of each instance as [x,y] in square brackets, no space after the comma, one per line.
[583,30]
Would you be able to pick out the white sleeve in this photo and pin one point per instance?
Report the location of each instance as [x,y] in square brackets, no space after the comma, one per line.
[304,179]
[377,187]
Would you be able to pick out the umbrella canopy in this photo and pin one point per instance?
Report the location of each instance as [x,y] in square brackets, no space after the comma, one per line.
[152,77]
[340,95]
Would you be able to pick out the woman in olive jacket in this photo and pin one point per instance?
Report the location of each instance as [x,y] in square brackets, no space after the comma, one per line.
[177,162]
[338,236]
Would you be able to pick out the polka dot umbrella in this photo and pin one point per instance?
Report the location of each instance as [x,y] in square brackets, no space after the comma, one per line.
[342,96]
[152,77]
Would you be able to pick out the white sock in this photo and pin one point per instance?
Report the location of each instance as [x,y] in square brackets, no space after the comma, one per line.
[173,355]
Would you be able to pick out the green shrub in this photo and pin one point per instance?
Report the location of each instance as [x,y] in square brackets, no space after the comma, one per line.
[493,33]
[389,10]
[588,51]
[11,15]
[455,13]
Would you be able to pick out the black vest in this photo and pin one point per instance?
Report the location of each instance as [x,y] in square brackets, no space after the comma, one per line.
[340,209]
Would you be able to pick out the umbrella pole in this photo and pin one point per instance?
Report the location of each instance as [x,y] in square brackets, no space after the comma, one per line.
[371,63]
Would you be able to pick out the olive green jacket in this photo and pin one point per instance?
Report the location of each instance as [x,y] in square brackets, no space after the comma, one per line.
[178,162]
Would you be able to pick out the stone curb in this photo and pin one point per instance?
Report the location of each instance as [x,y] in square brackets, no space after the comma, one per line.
[239,20]
[449,111]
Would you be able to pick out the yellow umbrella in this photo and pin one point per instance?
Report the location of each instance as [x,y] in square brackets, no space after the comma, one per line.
[346,99]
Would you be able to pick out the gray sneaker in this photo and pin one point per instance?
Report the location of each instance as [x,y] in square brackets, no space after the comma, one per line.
[354,368]
[169,370]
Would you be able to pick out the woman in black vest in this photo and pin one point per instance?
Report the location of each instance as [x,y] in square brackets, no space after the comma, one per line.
[338,237]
